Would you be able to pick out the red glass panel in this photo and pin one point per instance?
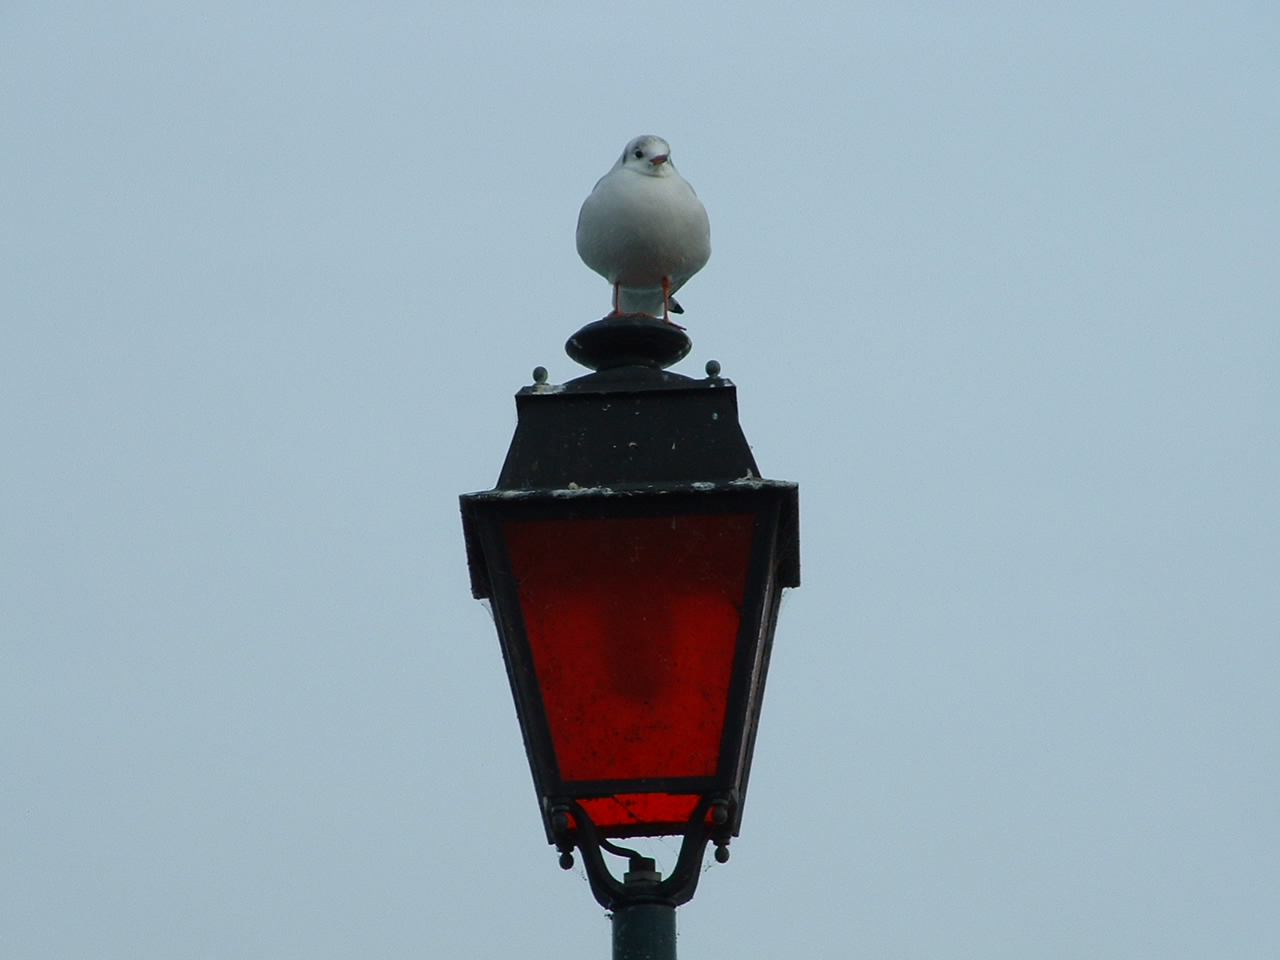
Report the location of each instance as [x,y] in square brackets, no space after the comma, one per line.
[632,624]
[627,809]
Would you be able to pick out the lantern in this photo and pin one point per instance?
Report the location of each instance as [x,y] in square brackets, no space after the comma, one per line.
[634,560]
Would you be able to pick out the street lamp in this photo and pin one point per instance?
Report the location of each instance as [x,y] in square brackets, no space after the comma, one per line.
[634,560]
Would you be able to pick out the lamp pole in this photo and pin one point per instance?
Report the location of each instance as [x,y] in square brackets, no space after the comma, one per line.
[643,931]
[635,561]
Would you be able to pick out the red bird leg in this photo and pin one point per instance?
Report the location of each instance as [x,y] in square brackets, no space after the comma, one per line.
[666,300]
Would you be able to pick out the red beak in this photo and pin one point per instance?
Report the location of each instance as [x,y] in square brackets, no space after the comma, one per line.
[660,159]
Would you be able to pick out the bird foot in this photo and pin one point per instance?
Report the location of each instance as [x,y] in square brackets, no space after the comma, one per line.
[647,316]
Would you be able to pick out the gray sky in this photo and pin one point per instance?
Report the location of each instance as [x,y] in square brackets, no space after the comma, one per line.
[998,286]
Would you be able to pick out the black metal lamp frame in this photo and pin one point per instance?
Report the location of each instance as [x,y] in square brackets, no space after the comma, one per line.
[633,440]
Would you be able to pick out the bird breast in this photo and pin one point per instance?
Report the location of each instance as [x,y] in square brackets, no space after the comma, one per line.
[636,229]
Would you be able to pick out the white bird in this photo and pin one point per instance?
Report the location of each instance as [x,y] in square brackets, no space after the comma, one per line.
[644,230]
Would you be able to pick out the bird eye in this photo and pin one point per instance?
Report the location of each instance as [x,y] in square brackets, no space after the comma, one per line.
[639,154]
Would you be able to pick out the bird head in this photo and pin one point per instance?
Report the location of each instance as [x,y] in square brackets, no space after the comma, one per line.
[648,155]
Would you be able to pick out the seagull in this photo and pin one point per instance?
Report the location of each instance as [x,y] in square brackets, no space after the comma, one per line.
[644,230]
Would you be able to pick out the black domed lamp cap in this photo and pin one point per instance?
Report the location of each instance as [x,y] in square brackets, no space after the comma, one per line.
[629,341]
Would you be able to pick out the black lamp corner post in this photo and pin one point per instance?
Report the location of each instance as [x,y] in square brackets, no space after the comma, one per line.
[634,560]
